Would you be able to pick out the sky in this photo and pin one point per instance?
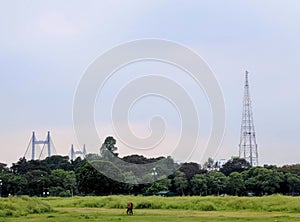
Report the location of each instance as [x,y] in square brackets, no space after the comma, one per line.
[45,48]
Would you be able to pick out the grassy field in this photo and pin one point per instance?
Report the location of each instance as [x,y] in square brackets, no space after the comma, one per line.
[112,208]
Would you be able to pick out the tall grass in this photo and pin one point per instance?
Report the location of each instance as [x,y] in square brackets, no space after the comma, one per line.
[276,203]
[22,206]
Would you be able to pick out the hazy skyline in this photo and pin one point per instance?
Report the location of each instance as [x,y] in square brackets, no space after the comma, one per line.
[47,46]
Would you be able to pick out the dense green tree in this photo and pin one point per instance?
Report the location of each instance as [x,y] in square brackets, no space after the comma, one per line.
[164,166]
[17,184]
[216,182]
[190,169]
[21,167]
[166,182]
[199,184]
[57,162]
[87,177]
[235,165]
[91,181]
[180,182]
[154,188]
[38,182]
[62,181]
[235,184]
[272,182]
[294,169]
[293,183]
[12,184]
[262,181]
[137,159]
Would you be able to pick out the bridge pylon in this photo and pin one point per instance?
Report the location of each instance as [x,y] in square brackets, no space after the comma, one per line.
[34,151]
[78,153]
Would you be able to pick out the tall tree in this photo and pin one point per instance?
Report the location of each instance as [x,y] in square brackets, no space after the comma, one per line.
[154,188]
[190,169]
[263,181]
[293,183]
[92,182]
[62,182]
[3,167]
[294,169]
[21,167]
[180,182]
[235,165]
[57,162]
[199,184]
[17,184]
[38,181]
[216,182]
[108,148]
[235,184]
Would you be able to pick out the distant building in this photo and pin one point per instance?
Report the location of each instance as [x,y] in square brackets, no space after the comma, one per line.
[220,163]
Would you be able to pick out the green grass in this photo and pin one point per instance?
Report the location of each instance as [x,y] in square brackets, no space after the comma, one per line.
[276,203]
[15,207]
[112,208]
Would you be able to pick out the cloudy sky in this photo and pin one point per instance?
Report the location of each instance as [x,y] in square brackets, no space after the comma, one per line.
[45,48]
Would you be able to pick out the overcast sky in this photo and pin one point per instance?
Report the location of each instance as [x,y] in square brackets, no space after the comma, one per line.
[45,47]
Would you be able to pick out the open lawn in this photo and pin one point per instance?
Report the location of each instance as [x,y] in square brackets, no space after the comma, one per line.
[112,208]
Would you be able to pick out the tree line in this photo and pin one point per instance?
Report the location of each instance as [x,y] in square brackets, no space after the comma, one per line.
[59,176]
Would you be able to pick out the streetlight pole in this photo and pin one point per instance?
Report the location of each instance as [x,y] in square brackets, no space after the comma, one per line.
[0,188]
[154,174]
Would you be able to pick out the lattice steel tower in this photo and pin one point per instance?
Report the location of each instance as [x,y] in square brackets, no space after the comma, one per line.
[248,146]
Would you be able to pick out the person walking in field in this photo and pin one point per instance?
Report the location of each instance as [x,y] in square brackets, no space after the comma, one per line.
[129,208]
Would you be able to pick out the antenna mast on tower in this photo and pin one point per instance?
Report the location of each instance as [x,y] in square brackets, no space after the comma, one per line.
[248,146]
